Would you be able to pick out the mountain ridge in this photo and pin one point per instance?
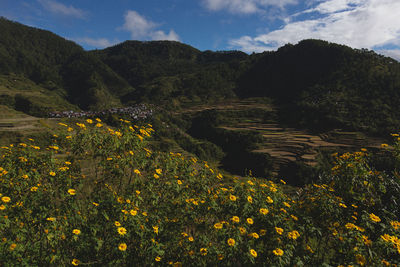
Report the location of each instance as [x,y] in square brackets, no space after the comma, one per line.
[317,84]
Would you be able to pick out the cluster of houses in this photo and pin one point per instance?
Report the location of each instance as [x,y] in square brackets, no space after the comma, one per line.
[136,112]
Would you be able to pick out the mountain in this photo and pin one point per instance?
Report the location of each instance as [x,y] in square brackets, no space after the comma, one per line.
[314,84]
[161,70]
[58,65]
[323,85]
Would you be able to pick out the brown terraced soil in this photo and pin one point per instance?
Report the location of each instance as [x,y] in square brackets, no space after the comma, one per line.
[286,145]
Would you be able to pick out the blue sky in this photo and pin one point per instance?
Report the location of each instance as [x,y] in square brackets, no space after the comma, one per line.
[247,25]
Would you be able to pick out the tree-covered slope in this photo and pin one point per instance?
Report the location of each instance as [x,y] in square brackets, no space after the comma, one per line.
[161,70]
[56,64]
[315,84]
[325,85]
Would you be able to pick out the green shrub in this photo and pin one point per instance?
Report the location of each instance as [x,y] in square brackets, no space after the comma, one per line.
[99,196]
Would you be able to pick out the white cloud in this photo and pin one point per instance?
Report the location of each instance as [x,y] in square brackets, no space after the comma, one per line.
[332,6]
[393,53]
[61,9]
[245,6]
[96,43]
[357,23]
[142,28]
[160,35]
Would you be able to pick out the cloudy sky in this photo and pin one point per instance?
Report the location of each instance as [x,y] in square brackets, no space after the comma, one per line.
[247,25]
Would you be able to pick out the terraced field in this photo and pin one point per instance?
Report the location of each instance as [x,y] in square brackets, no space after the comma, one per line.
[289,144]
[285,144]
[15,126]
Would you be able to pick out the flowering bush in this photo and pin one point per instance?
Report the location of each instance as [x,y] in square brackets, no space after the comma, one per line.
[100,196]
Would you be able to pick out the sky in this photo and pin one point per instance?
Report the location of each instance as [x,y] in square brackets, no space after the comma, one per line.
[246,25]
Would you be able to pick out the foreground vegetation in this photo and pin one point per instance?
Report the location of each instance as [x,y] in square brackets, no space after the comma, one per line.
[100,196]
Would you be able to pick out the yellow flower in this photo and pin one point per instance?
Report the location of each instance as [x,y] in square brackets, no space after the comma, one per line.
[374,218]
[250,199]
[235,219]
[190,238]
[279,230]
[360,259]
[263,232]
[155,228]
[231,242]
[137,171]
[89,121]
[232,197]
[98,125]
[264,211]
[98,120]
[386,237]
[395,224]
[253,253]
[342,205]
[2,207]
[157,259]
[75,262]
[158,171]
[293,235]
[76,231]
[254,235]
[96,204]
[249,220]
[133,212]
[278,252]
[384,145]
[386,263]
[34,188]
[270,200]
[122,246]
[81,125]
[121,230]
[117,223]
[286,204]
[156,176]
[51,219]
[179,181]
[5,199]
[366,241]
[13,246]
[203,251]
[71,192]
[52,173]
[218,226]
[282,181]
[25,176]
[242,230]
[294,217]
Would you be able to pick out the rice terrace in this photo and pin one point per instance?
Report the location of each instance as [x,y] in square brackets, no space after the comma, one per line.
[155,153]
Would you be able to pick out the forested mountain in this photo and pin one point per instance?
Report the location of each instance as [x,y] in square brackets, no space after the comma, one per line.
[314,84]
[161,70]
[321,85]
[57,64]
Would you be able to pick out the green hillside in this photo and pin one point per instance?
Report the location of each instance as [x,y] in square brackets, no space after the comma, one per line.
[324,96]
[322,86]
[165,70]
[56,64]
